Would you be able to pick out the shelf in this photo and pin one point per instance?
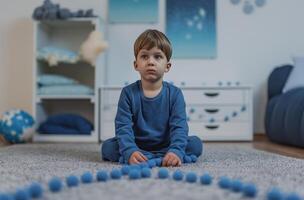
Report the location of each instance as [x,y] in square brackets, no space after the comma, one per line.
[70,23]
[39,98]
[65,138]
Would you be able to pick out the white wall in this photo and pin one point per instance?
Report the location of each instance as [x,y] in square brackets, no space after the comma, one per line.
[249,46]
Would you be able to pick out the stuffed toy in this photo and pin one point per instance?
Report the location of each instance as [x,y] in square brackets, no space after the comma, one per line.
[92,47]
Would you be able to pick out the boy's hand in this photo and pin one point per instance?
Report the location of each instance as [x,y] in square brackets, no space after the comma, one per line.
[137,157]
[171,159]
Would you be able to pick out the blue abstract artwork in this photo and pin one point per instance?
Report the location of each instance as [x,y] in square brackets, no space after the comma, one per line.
[191,28]
[133,11]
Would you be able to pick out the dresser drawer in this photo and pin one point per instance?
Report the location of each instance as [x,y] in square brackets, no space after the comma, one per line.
[221,131]
[213,96]
[217,113]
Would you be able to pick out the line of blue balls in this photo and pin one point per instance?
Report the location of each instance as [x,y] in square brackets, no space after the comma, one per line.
[143,170]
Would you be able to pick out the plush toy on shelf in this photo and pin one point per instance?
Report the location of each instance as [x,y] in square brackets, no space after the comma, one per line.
[92,47]
[17,126]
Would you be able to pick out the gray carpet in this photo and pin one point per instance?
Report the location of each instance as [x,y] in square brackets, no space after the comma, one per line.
[20,164]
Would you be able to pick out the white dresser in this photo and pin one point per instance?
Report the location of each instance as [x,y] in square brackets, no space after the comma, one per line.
[219,113]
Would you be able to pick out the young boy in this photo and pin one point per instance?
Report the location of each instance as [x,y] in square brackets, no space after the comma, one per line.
[151,118]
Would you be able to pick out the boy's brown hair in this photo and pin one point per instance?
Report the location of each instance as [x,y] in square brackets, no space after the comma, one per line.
[153,38]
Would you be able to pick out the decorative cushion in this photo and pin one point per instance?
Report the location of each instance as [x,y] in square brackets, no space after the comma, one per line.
[75,89]
[295,79]
[54,79]
[54,55]
[68,124]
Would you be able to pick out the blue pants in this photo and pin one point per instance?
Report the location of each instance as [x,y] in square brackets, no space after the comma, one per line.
[110,149]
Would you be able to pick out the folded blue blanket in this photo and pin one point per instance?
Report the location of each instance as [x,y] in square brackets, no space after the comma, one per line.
[66,124]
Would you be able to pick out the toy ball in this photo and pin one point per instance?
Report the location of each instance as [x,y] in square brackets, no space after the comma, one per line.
[191,177]
[133,166]
[274,194]
[6,197]
[158,161]
[22,194]
[187,159]
[193,158]
[134,174]
[224,182]
[293,196]
[55,184]
[206,179]
[250,190]
[178,175]
[143,165]
[17,126]
[152,163]
[87,177]
[35,190]
[125,170]
[102,176]
[236,185]
[146,172]
[72,181]
[163,173]
[115,174]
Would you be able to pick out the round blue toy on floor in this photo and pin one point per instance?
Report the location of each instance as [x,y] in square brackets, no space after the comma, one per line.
[87,177]
[22,194]
[72,181]
[163,173]
[102,176]
[55,184]
[178,175]
[134,174]
[250,190]
[206,179]
[274,194]
[115,174]
[17,126]
[35,190]
[191,177]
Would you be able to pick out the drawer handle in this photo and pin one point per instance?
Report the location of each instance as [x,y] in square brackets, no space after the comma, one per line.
[211,94]
[212,127]
[212,110]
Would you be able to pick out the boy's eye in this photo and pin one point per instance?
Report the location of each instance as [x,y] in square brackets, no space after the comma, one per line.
[144,56]
[158,56]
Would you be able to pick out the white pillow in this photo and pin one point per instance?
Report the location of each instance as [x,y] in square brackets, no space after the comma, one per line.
[296,76]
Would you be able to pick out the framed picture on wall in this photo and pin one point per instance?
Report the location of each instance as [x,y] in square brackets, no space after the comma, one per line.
[133,11]
[191,28]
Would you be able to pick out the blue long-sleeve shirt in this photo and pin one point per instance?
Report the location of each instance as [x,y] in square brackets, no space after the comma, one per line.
[151,124]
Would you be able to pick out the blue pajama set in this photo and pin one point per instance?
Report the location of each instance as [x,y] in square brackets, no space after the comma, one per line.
[153,126]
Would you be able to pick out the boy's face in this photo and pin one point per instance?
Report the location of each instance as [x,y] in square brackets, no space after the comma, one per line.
[151,64]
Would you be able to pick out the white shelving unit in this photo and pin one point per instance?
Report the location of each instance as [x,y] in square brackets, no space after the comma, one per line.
[215,113]
[67,34]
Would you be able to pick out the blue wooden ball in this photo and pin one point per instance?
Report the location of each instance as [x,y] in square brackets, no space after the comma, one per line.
[55,184]
[193,158]
[250,190]
[236,185]
[224,182]
[187,159]
[163,173]
[206,179]
[6,197]
[102,176]
[72,181]
[292,196]
[152,163]
[115,174]
[87,177]
[35,190]
[178,175]
[274,194]
[22,194]
[134,174]
[146,172]
[125,170]
[191,177]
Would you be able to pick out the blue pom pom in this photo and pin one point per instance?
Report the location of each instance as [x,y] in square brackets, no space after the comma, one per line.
[55,184]
[191,177]
[87,177]
[121,160]
[178,175]
[72,181]
[115,174]
[293,196]
[134,174]
[35,190]
[163,173]
[158,161]
[22,194]
[102,176]
[152,163]
[125,170]
[193,158]
[6,197]
[236,185]
[274,194]
[137,167]
[146,172]
[250,190]
[143,165]
[224,182]
[206,179]
[187,159]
